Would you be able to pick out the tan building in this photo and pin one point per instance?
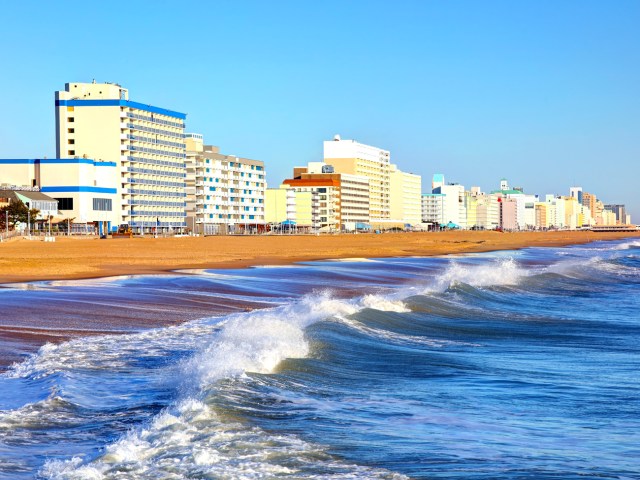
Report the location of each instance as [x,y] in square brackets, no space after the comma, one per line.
[353,158]
[341,201]
[590,201]
[542,218]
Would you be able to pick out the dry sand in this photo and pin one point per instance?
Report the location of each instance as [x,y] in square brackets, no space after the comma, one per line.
[77,257]
[71,258]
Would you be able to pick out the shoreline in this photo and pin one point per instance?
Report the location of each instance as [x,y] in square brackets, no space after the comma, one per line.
[40,322]
[78,258]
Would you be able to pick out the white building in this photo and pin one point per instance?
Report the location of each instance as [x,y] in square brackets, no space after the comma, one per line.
[227,193]
[146,143]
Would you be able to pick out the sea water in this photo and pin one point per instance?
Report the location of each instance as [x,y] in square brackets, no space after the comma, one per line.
[518,364]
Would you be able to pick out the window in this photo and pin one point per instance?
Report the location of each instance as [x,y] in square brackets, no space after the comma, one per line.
[72,152]
[71,141]
[65,203]
[102,204]
[71,119]
[71,130]
[70,109]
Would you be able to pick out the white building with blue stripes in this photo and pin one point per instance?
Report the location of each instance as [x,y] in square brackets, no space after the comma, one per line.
[138,153]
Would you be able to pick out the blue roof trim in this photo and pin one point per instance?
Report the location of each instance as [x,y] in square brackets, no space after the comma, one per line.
[16,161]
[78,189]
[88,161]
[32,161]
[120,103]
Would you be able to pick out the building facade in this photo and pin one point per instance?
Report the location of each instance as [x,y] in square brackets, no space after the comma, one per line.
[226,193]
[98,121]
[85,189]
[341,200]
[353,158]
[406,197]
[433,208]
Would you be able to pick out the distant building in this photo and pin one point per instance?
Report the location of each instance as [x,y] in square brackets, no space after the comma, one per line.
[284,206]
[405,199]
[619,211]
[226,193]
[590,200]
[354,158]
[340,200]
[437,181]
[433,208]
[488,211]
[508,213]
[576,192]
[453,208]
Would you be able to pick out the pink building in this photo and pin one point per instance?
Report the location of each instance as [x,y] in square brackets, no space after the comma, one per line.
[508,213]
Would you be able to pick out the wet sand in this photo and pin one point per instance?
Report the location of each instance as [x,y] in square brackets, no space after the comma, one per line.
[55,316]
[77,257]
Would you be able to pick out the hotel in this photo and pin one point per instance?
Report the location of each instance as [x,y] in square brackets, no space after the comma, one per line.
[340,201]
[353,158]
[225,193]
[143,146]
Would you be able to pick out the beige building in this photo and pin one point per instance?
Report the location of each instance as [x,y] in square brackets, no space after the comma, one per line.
[226,194]
[340,200]
[488,211]
[353,158]
[98,121]
[406,196]
[287,206]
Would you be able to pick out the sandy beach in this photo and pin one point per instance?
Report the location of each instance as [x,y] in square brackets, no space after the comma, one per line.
[78,257]
[30,326]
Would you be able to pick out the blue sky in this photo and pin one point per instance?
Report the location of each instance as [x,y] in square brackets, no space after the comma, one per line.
[545,93]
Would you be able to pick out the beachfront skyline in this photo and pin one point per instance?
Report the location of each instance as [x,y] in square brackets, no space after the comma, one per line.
[541,93]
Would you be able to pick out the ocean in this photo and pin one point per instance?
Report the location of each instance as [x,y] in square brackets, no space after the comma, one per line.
[504,365]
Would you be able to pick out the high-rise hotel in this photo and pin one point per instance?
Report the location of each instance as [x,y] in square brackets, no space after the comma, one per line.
[146,143]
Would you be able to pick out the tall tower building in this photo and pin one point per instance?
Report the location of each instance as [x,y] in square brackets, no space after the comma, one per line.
[576,192]
[589,200]
[437,181]
[351,157]
[98,121]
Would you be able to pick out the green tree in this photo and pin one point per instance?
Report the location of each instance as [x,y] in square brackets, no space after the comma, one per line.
[18,212]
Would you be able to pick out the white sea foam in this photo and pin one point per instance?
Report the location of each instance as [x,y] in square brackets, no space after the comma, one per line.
[387,304]
[627,245]
[573,266]
[500,272]
[109,352]
[189,440]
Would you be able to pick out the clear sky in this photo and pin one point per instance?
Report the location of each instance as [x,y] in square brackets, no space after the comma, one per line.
[545,93]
